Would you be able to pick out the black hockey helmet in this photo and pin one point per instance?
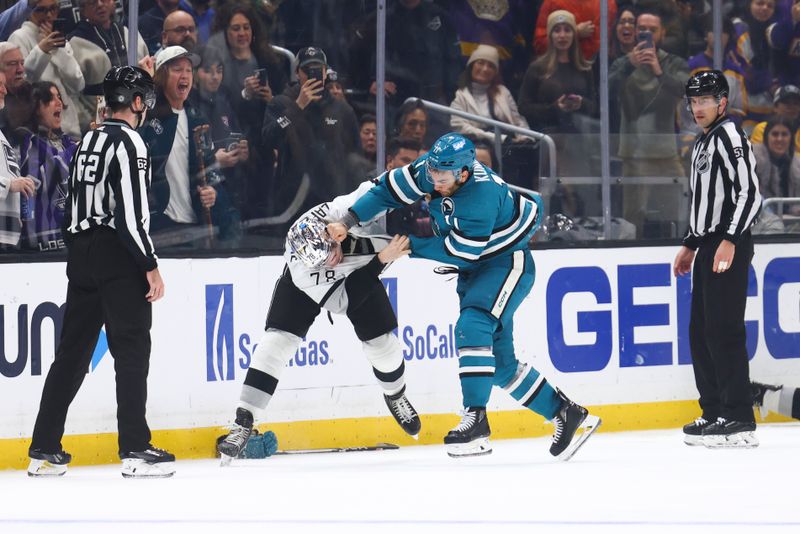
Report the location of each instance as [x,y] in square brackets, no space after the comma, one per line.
[122,84]
[707,83]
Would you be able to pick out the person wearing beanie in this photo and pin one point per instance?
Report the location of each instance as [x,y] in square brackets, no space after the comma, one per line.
[557,88]
[481,92]
[586,14]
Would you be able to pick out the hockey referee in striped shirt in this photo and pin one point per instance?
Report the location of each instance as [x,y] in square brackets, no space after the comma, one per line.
[725,204]
[113,280]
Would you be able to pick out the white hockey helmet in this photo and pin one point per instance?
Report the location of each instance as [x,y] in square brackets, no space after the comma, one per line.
[309,240]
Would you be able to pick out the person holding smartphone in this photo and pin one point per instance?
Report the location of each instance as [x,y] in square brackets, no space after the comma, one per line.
[49,57]
[314,135]
[648,84]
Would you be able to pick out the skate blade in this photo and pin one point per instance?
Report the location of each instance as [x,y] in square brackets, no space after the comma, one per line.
[477,447]
[136,468]
[589,425]
[693,441]
[225,460]
[741,440]
[43,468]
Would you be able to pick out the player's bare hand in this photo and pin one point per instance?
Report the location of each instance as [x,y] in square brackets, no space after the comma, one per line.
[337,231]
[24,185]
[156,286]
[208,195]
[310,92]
[683,261]
[398,247]
[335,257]
[723,258]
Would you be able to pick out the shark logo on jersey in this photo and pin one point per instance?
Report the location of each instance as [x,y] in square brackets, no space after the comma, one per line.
[448,206]
[703,163]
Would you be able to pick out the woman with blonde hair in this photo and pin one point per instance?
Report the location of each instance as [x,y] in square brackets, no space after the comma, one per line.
[481,92]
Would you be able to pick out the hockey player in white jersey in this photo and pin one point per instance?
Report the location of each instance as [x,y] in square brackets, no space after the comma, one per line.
[340,278]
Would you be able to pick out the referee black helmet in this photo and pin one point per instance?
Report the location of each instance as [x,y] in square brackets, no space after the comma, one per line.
[122,84]
[707,83]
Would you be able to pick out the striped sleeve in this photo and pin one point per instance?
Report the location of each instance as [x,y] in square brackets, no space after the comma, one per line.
[395,188]
[132,212]
[740,162]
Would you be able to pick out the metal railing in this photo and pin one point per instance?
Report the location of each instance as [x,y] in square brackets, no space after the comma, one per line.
[498,140]
[779,202]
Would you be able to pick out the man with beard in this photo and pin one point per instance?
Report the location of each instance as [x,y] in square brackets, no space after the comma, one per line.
[179,30]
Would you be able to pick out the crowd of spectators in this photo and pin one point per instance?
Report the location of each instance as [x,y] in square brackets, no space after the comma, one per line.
[268,107]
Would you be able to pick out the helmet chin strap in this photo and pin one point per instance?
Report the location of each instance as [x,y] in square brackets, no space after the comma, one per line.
[139,116]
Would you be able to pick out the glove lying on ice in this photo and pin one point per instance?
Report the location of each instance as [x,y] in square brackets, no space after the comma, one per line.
[258,445]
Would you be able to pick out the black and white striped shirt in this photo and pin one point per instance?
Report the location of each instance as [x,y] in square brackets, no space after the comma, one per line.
[725,195]
[108,185]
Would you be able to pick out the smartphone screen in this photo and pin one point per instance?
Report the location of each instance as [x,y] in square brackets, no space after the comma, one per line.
[646,37]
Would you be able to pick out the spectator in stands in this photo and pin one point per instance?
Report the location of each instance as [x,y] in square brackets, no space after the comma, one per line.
[557,94]
[17,108]
[414,219]
[681,24]
[183,196]
[253,74]
[203,16]
[784,37]
[412,121]
[11,185]
[314,134]
[623,38]
[99,43]
[753,46]
[333,84]
[777,164]
[45,155]
[48,57]
[401,151]
[586,14]
[363,162]
[786,104]
[734,66]
[212,101]
[179,30]
[649,85]
[151,23]
[481,92]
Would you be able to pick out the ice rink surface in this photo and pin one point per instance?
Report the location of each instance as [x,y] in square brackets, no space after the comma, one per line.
[632,482]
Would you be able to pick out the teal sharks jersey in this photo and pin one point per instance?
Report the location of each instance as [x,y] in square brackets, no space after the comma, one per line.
[483,219]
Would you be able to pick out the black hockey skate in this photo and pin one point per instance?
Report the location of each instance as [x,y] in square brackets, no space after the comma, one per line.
[45,464]
[568,420]
[149,463]
[405,414]
[471,436]
[759,390]
[693,432]
[723,433]
[230,447]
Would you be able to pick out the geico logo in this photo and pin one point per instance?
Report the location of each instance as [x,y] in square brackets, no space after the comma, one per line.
[311,353]
[583,318]
[430,345]
[46,310]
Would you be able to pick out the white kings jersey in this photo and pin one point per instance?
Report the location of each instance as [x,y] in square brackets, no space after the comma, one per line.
[325,284]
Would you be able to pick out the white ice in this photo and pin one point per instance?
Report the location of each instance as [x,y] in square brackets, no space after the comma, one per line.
[631,482]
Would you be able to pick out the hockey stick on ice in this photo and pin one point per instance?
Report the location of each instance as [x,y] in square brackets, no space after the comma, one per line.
[378,447]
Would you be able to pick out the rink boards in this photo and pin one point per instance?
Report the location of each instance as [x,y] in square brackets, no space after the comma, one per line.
[609,326]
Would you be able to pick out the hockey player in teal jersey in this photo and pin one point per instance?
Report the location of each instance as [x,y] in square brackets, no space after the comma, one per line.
[482,227]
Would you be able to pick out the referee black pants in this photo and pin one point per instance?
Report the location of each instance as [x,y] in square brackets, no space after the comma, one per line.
[106,286]
[717,332]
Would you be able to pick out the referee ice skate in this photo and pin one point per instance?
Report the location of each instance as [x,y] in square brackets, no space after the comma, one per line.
[725,203]
[113,281]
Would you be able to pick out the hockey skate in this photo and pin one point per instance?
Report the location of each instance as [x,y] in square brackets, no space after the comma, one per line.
[405,414]
[48,465]
[568,420]
[759,390]
[693,432]
[471,436]
[724,434]
[230,447]
[149,463]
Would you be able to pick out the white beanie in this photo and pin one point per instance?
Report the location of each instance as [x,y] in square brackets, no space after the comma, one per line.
[487,53]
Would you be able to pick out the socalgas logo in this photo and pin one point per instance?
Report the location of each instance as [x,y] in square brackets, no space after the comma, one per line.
[226,351]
